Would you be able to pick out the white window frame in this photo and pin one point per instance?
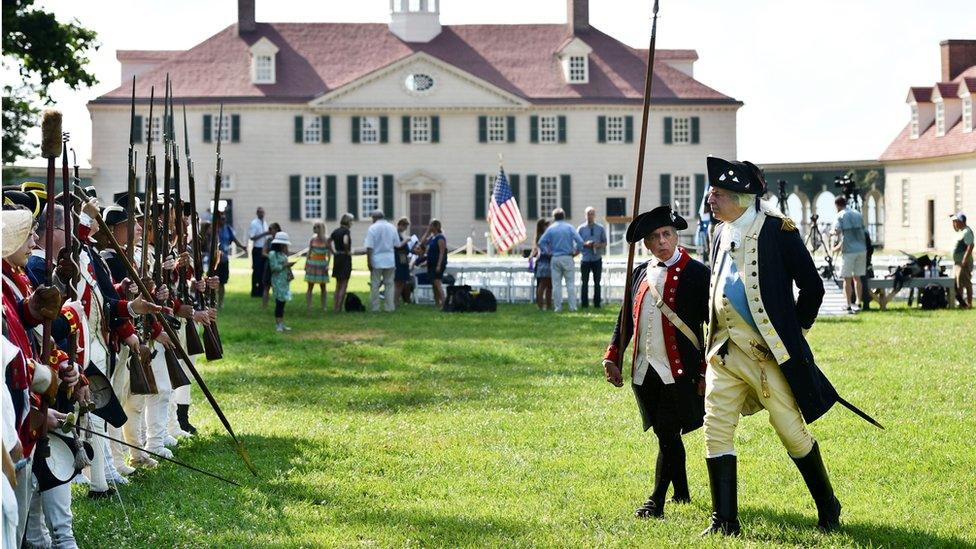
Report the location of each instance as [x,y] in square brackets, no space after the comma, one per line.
[312,129]
[915,122]
[156,129]
[365,209]
[497,129]
[224,128]
[264,68]
[227,182]
[616,129]
[615,181]
[905,202]
[549,129]
[369,130]
[940,119]
[577,69]
[967,113]
[681,130]
[549,184]
[957,193]
[313,193]
[420,129]
[682,192]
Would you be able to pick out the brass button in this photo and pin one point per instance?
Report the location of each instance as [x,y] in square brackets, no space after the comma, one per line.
[765,321]
[778,345]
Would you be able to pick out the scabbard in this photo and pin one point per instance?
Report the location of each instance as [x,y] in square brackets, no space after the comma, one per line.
[859,412]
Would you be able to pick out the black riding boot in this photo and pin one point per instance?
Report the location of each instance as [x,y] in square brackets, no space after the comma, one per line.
[725,506]
[814,473]
[654,506]
[183,417]
[679,474]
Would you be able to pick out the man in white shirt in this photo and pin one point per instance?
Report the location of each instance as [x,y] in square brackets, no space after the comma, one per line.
[381,239]
[258,234]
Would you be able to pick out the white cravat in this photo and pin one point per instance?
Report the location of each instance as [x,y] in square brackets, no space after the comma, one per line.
[651,349]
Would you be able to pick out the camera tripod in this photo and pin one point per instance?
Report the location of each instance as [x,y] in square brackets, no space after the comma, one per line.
[814,241]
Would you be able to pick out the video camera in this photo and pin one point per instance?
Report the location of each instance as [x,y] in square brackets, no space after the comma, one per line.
[848,184]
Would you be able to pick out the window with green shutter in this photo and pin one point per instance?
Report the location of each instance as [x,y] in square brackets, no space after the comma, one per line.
[699,192]
[629,129]
[513,181]
[295,197]
[207,133]
[666,189]
[137,131]
[388,195]
[532,196]
[566,195]
[480,196]
[299,129]
[330,198]
[235,128]
[695,125]
[601,129]
[667,130]
[352,195]
[435,129]
[510,122]
[355,133]
[384,129]
[533,129]
[405,129]
[326,124]
[482,129]
[562,129]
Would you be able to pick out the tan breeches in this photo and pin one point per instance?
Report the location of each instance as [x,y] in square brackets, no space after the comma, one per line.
[734,387]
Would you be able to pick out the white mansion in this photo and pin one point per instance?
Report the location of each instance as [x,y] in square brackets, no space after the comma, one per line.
[411,116]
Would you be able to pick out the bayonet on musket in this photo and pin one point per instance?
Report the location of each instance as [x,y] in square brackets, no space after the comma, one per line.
[130,223]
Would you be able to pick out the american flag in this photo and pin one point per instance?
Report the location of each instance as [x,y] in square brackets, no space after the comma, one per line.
[504,218]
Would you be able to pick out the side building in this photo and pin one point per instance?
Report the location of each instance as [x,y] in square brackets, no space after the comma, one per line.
[931,165]
[411,118]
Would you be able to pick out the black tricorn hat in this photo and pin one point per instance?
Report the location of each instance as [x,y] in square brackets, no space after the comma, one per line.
[741,177]
[27,200]
[122,199]
[114,214]
[107,404]
[648,222]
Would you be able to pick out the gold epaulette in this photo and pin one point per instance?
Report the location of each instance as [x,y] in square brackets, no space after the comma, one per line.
[788,224]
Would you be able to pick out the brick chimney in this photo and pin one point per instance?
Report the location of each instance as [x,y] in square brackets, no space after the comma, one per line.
[957,56]
[245,16]
[578,15]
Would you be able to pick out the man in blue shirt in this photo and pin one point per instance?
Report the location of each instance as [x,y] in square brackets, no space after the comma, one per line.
[563,243]
[849,225]
[594,243]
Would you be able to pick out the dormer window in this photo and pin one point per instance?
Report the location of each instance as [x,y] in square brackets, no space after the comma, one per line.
[578,73]
[914,121]
[263,62]
[967,113]
[940,122]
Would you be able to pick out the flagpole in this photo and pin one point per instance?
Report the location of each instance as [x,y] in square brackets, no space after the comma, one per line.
[629,274]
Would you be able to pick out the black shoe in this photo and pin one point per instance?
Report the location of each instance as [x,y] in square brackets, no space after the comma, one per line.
[654,506]
[183,417]
[101,495]
[680,499]
[725,505]
[651,508]
[814,474]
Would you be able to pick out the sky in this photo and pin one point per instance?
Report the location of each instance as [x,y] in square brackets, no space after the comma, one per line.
[821,81]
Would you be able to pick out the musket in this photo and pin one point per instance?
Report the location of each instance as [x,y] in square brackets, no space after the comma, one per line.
[70,285]
[214,230]
[193,344]
[131,206]
[51,145]
[146,202]
[648,78]
[211,344]
[144,357]
[177,347]
[154,454]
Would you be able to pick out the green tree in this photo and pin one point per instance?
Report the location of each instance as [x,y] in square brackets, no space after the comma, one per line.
[44,51]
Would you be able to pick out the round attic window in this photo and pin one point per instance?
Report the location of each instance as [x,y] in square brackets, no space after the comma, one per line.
[419,83]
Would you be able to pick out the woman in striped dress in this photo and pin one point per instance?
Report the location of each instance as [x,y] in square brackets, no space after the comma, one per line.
[317,265]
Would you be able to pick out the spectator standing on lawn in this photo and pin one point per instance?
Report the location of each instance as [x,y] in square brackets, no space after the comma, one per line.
[401,274]
[594,238]
[340,242]
[317,266]
[564,243]
[849,225]
[281,277]
[962,260]
[435,244]
[273,229]
[381,240]
[543,269]
[259,235]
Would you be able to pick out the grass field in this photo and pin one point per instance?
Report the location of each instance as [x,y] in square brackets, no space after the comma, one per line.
[426,429]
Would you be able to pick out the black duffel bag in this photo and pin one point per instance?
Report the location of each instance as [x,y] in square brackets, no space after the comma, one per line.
[485,302]
[459,299]
[933,296]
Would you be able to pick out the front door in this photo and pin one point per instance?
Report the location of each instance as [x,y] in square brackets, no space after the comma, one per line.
[421,206]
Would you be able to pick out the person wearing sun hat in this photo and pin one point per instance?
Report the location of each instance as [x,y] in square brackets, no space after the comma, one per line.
[668,367]
[962,260]
[281,276]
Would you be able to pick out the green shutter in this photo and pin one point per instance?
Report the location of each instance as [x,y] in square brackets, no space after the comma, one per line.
[355,129]
[388,196]
[513,181]
[384,129]
[137,129]
[480,190]
[562,129]
[235,128]
[667,130]
[482,129]
[694,129]
[435,129]
[533,129]
[295,196]
[665,189]
[207,122]
[510,124]
[628,129]
[405,134]
[532,202]
[699,192]
[326,124]
[299,129]
[330,197]
[566,195]
[601,129]
[352,195]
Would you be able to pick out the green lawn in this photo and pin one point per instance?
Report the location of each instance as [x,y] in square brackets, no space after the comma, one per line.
[427,429]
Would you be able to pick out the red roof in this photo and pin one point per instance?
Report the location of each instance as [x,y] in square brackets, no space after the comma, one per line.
[921,95]
[316,58]
[948,90]
[969,84]
[147,55]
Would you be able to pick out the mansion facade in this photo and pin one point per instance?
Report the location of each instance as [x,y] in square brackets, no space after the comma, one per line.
[413,118]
